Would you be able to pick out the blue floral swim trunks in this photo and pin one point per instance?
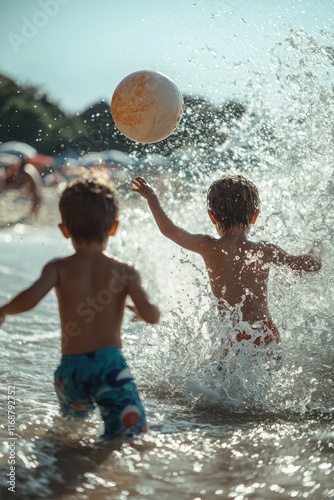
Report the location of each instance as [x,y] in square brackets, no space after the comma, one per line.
[101,378]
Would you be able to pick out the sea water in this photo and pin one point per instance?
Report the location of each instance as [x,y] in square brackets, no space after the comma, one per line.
[254,430]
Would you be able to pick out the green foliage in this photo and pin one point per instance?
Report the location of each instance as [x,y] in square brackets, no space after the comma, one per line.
[28,116]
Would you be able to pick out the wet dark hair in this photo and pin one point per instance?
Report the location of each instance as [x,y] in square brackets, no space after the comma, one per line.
[233,200]
[89,206]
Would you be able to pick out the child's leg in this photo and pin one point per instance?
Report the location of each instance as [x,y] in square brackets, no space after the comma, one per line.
[122,412]
[72,388]
[117,396]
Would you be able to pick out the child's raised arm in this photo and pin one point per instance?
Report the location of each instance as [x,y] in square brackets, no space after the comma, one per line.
[309,262]
[193,242]
[30,297]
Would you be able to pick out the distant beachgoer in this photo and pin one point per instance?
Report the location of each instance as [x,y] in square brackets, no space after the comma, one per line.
[238,267]
[92,288]
[23,175]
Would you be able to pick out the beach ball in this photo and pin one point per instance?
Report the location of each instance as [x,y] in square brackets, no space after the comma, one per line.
[146,106]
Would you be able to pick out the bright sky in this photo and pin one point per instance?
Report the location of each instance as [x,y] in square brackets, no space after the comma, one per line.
[79,50]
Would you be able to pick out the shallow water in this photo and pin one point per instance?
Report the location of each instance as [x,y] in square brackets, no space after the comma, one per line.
[258,431]
[271,437]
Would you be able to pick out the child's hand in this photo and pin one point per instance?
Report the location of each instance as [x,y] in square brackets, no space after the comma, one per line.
[143,188]
[136,316]
[2,316]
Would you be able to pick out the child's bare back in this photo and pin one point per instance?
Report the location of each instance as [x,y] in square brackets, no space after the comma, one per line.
[238,272]
[92,288]
[238,269]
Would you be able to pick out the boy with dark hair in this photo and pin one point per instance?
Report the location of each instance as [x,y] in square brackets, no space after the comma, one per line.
[92,288]
[238,268]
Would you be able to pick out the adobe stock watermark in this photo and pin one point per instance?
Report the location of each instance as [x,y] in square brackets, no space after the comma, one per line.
[93,305]
[11,408]
[31,26]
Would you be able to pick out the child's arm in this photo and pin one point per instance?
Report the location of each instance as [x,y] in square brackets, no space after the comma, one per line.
[30,297]
[309,262]
[193,242]
[143,306]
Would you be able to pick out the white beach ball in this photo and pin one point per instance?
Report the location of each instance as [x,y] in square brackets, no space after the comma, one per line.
[147,106]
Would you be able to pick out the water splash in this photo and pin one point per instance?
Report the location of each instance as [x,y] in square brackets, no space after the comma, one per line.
[287,151]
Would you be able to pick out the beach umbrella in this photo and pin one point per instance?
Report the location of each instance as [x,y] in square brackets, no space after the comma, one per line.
[117,165]
[41,161]
[18,148]
[154,160]
[112,158]
[91,159]
[23,150]
[8,160]
[119,158]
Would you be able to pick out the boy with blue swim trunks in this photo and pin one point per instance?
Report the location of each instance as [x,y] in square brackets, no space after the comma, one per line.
[92,288]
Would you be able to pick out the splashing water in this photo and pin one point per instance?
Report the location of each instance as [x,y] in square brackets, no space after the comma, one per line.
[288,153]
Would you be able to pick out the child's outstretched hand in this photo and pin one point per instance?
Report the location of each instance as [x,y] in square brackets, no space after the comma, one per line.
[142,187]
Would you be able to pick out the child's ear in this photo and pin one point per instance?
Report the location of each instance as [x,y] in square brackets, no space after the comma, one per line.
[212,217]
[114,228]
[64,230]
[255,216]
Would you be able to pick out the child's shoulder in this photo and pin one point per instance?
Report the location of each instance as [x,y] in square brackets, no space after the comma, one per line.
[58,261]
[54,262]
[262,244]
[118,262]
[122,273]
[126,268]
[269,250]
